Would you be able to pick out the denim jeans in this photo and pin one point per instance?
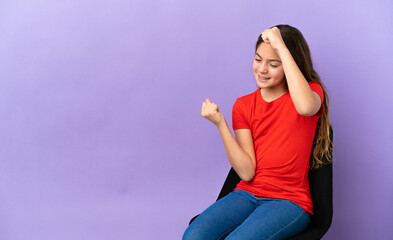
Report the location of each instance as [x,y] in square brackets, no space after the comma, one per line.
[241,215]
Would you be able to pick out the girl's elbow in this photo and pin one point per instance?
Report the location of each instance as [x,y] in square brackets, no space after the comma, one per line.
[249,177]
[248,172]
[307,111]
[309,108]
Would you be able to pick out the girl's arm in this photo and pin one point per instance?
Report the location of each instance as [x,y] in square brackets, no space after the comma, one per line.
[240,152]
[306,102]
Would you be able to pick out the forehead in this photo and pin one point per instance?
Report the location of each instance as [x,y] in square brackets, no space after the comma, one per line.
[266,51]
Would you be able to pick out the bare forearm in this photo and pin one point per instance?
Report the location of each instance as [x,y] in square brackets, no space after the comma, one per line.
[238,158]
[298,87]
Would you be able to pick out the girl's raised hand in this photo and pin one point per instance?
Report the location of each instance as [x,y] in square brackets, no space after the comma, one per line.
[273,37]
[211,112]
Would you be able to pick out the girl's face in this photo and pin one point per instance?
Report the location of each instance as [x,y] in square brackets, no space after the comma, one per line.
[268,69]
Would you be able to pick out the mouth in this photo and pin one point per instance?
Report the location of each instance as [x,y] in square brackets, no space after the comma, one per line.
[262,78]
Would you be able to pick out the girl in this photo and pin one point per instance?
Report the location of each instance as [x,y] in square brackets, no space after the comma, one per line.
[274,128]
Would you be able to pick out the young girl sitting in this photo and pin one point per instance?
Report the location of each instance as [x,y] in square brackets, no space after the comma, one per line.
[274,131]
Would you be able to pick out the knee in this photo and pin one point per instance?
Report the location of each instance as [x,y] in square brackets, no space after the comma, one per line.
[193,233]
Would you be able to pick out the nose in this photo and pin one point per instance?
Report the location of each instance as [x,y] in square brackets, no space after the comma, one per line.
[262,68]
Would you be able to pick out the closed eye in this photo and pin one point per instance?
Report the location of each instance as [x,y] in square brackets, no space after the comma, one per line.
[272,65]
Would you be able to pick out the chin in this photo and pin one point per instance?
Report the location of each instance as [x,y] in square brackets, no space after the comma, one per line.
[262,85]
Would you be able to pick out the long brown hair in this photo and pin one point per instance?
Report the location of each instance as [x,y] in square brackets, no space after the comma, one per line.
[298,47]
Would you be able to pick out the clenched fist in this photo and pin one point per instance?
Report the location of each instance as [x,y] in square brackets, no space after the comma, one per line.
[273,37]
[211,112]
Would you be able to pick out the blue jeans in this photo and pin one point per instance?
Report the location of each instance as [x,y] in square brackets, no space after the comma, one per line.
[241,215]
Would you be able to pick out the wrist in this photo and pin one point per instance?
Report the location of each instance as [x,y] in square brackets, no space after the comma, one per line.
[222,123]
[282,51]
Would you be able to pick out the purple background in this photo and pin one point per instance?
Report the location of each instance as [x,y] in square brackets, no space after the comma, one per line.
[101,135]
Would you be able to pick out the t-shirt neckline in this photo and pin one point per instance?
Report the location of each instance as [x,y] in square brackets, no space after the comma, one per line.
[271,102]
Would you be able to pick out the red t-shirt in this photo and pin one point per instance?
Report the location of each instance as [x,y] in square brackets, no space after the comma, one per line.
[282,142]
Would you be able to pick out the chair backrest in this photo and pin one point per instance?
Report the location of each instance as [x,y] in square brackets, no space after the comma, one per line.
[321,189]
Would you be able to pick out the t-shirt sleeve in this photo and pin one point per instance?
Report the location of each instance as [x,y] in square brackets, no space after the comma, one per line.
[239,120]
[316,87]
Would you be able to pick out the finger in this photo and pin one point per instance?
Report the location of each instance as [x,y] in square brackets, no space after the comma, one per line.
[211,108]
[214,108]
[208,100]
[264,36]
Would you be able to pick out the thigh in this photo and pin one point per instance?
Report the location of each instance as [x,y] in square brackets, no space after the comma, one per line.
[273,219]
[221,218]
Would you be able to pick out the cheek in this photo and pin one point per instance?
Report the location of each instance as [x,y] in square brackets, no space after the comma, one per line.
[277,73]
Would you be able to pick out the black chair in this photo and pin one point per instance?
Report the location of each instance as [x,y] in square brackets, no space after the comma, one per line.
[321,189]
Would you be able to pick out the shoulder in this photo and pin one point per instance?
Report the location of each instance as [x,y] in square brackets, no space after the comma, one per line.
[314,84]
[247,98]
[316,87]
